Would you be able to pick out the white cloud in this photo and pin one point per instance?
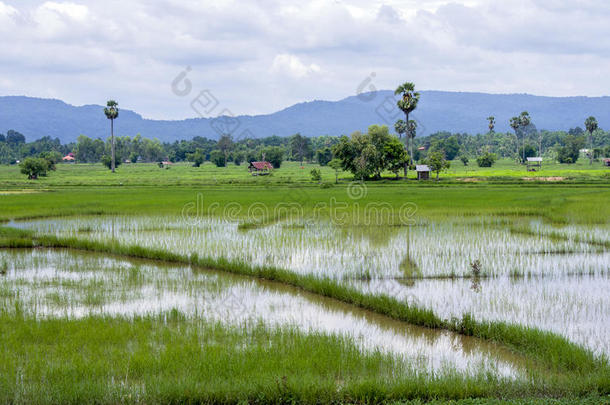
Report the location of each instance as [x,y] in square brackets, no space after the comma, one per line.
[282,52]
[292,66]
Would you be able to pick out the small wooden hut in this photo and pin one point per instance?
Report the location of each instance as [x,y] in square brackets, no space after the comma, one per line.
[423,172]
[534,164]
[260,168]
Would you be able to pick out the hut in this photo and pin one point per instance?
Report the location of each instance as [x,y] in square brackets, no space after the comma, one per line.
[69,158]
[607,162]
[423,172]
[260,168]
[534,164]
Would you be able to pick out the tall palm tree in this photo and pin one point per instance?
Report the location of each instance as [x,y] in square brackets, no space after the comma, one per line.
[515,124]
[492,123]
[400,127]
[112,113]
[407,104]
[524,121]
[591,125]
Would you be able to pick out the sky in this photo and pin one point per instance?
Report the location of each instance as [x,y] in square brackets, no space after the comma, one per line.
[257,57]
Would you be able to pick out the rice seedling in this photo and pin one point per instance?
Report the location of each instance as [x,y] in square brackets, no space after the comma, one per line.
[64,285]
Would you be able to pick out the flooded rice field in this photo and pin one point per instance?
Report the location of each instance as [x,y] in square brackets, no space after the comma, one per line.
[531,273]
[67,284]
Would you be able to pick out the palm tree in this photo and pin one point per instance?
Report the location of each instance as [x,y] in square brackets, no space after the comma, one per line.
[591,125]
[515,124]
[524,121]
[112,113]
[492,123]
[407,104]
[400,127]
[411,133]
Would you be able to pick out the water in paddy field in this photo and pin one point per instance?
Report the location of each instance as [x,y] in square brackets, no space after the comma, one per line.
[68,284]
[553,278]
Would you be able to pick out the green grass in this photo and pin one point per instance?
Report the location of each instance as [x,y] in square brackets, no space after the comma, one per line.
[183,174]
[169,359]
[551,352]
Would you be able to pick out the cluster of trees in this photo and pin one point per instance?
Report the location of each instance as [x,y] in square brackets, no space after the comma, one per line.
[13,147]
[368,155]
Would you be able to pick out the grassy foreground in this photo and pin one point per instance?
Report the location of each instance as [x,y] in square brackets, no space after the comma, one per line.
[173,360]
[567,367]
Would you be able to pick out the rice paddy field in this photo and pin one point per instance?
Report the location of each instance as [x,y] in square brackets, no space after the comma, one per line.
[276,291]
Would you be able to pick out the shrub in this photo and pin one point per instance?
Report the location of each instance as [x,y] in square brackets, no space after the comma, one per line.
[464,160]
[316,175]
[218,158]
[486,160]
[107,161]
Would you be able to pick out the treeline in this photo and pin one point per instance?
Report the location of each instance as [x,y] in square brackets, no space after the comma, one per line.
[552,145]
[555,145]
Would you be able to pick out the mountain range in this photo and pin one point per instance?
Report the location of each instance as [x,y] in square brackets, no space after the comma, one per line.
[437,111]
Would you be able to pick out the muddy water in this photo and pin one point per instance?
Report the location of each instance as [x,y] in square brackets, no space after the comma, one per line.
[63,283]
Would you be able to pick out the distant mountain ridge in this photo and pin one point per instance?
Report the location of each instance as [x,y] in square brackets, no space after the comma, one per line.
[437,111]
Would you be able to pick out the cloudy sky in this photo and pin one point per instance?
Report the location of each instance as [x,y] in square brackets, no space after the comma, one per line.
[260,56]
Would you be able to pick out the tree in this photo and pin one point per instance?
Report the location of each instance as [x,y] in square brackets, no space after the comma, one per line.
[336,165]
[300,147]
[437,162]
[591,125]
[400,127]
[14,138]
[225,144]
[34,167]
[367,155]
[515,124]
[491,123]
[218,158]
[394,156]
[569,152]
[107,161]
[526,151]
[112,113]
[407,104]
[197,157]
[464,160]
[273,155]
[524,122]
[238,157]
[486,160]
[324,156]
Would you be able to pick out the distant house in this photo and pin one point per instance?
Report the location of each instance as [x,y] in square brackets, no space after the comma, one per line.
[69,158]
[423,172]
[260,168]
[607,162]
[421,148]
[534,163]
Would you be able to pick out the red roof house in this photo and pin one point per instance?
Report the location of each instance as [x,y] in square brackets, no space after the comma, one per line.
[260,168]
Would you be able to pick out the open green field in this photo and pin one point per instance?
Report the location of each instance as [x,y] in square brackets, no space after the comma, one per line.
[412,320]
[289,173]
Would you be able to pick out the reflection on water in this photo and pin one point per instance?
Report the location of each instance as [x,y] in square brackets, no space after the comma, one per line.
[61,283]
[577,307]
[436,250]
